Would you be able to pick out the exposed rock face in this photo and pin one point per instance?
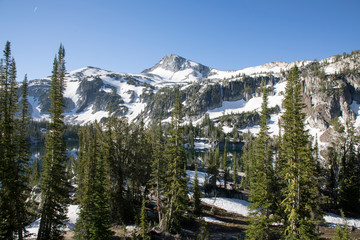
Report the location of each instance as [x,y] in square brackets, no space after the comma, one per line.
[329,88]
[176,63]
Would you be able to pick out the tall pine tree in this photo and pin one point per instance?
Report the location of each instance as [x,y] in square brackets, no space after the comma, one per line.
[54,184]
[176,182]
[262,181]
[298,168]
[14,156]
[94,218]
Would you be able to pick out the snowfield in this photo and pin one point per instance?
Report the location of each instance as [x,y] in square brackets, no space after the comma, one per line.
[229,204]
[242,207]
[73,211]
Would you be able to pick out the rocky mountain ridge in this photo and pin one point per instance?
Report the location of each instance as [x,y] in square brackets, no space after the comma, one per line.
[331,89]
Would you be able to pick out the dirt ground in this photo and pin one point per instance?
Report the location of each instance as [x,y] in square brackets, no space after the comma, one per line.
[232,226]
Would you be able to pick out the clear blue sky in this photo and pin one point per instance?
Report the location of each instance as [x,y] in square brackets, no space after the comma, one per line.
[132,35]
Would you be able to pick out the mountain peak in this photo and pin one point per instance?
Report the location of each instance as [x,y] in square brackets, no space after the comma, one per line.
[172,63]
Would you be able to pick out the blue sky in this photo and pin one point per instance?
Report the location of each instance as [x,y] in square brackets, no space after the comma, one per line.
[130,36]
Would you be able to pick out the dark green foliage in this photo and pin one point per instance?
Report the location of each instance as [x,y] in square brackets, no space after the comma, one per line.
[297,168]
[54,184]
[349,179]
[204,232]
[94,218]
[157,180]
[225,166]
[235,171]
[35,175]
[176,183]
[262,181]
[144,221]
[247,159]
[197,195]
[342,232]
[14,154]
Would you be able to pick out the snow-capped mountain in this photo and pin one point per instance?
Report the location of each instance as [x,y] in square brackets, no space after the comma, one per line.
[178,69]
[331,88]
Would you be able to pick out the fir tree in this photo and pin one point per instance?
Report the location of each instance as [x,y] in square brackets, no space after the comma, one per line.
[235,171]
[158,172]
[197,195]
[35,174]
[94,218]
[349,179]
[54,185]
[262,181]
[342,232]
[144,221]
[225,165]
[298,168]
[14,156]
[176,183]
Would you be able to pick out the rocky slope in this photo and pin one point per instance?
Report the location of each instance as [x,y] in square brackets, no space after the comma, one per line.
[331,89]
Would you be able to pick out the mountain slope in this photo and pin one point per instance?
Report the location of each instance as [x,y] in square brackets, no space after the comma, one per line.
[331,88]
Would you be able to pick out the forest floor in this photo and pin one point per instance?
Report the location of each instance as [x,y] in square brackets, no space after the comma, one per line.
[221,224]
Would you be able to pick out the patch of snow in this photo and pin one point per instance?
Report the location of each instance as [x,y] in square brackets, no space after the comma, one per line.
[191,176]
[201,145]
[72,214]
[229,204]
[335,220]
[356,108]
[212,220]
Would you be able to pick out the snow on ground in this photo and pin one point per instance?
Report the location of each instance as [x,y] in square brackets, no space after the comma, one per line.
[229,204]
[334,220]
[212,220]
[242,207]
[201,145]
[73,211]
[356,108]
[201,176]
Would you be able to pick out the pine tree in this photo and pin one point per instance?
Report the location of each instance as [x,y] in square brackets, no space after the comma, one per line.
[213,168]
[14,157]
[158,172]
[54,185]
[262,181]
[235,171]
[225,165]
[349,179]
[342,233]
[197,195]
[176,183]
[247,159]
[298,168]
[94,218]
[35,174]
[144,221]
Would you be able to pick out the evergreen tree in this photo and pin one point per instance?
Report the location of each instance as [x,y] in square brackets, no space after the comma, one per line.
[94,218]
[262,180]
[213,168]
[197,195]
[35,174]
[14,156]
[225,165]
[299,169]
[235,171]
[158,172]
[342,233]
[204,232]
[247,159]
[349,179]
[144,221]
[176,182]
[54,184]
